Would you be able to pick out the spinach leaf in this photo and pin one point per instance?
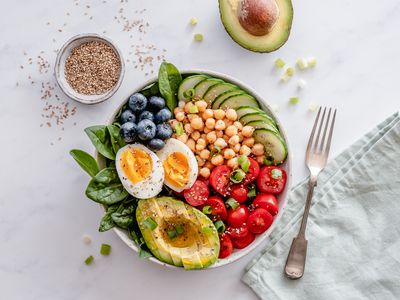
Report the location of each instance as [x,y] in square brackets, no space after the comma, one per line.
[107,175]
[100,138]
[169,79]
[134,236]
[152,90]
[124,217]
[86,161]
[144,253]
[116,141]
[107,222]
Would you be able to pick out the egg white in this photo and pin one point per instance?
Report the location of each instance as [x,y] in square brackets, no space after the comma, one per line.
[174,145]
[150,186]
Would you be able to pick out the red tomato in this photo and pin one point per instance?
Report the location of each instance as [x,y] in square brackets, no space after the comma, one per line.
[238,217]
[237,232]
[218,208]
[259,220]
[271,180]
[239,193]
[226,247]
[219,179]
[244,241]
[268,202]
[197,194]
[253,171]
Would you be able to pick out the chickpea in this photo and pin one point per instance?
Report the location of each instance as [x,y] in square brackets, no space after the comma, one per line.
[209,165]
[173,123]
[240,137]
[220,125]
[201,105]
[233,163]
[220,142]
[203,136]
[238,125]
[244,150]
[234,140]
[258,149]
[205,172]
[236,148]
[178,110]
[217,160]
[180,116]
[210,123]
[199,147]
[195,135]
[190,117]
[249,142]
[219,114]
[211,137]
[191,144]
[188,128]
[225,137]
[219,133]
[231,130]
[229,153]
[183,138]
[181,104]
[227,122]
[205,154]
[188,106]
[201,162]
[207,130]
[208,113]
[197,124]
[247,131]
[231,114]
[201,141]
[260,159]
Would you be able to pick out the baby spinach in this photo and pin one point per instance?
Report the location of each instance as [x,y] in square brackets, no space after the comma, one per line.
[124,218]
[86,161]
[100,138]
[116,141]
[152,90]
[107,222]
[169,79]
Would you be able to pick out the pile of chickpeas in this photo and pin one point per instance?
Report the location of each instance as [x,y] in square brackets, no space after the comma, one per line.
[215,136]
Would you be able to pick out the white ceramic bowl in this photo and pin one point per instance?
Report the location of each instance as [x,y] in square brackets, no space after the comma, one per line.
[62,56]
[237,254]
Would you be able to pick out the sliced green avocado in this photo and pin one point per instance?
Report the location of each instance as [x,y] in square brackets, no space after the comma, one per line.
[190,245]
[257,25]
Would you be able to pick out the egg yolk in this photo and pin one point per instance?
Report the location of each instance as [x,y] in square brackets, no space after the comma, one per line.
[176,167]
[136,164]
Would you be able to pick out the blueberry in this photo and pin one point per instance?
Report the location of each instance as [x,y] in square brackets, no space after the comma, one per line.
[164,131]
[137,102]
[146,130]
[128,116]
[156,144]
[128,132]
[146,115]
[156,103]
[163,115]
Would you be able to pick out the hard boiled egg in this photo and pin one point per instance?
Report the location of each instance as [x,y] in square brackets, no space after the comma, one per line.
[180,165]
[140,171]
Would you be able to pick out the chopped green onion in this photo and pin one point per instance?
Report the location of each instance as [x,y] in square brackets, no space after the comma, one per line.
[312,107]
[172,233]
[244,162]
[220,226]
[193,21]
[302,63]
[198,37]
[289,71]
[269,160]
[206,230]
[179,229]
[276,174]
[193,109]
[232,203]
[89,260]
[179,129]
[216,150]
[301,84]
[279,63]
[312,62]
[105,249]
[251,193]
[294,100]
[207,209]
[285,77]
[150,223]
[237,175]
[188,93]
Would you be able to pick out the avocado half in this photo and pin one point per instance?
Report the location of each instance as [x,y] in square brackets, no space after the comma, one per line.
[257,25]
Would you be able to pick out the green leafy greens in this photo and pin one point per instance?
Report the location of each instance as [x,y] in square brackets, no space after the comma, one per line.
[169,79]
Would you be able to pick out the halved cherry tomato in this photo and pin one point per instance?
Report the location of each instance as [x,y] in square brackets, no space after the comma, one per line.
[237,232]
[253,171]
[259,220]
[197,194]
[266,201]
[238,217]
[219,180]
[226,246]
[239,193]
[218,208]
[244,241]
[271,180]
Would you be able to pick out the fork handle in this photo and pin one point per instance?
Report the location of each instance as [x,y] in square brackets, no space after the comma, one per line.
[296,259]
[312,183]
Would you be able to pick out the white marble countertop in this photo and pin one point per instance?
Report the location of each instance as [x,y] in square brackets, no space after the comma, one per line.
[43,210]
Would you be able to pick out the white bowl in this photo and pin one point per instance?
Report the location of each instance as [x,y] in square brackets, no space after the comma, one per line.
[64,53]
[237,254]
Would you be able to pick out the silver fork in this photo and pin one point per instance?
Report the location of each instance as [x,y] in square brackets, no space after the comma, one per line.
[316,157]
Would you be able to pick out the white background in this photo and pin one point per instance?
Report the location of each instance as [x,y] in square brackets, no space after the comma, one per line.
[43,210]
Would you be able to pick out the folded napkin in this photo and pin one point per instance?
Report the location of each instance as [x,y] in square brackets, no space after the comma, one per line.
[353,229]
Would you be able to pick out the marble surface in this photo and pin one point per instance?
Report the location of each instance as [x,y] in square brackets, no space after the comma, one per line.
[43,211]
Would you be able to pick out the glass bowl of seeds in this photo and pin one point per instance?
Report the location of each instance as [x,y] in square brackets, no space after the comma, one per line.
[89,68]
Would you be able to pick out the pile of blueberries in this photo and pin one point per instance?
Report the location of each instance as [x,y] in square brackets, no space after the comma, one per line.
[145,120]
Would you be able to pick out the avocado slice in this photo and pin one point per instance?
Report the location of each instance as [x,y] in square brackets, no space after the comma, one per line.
[257,25]
[189,245]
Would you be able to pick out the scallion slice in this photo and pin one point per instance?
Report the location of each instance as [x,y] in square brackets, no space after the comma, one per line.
[251,193]
[312,62]
[312,107]
[172,233]
[179,229]
[294,100]
[237,175]
[302,63]
[179,129]
[193,21]
[150,223]
[269,160]
[289,72]
[207,209]
[220,226]
[193,109]
[216,150]
[279,63]
[105,249]
[198,37]
[276,174]
[188,93]
[89,260]
[244,163]
[232,203]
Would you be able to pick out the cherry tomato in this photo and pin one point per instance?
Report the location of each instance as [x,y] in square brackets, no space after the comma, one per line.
[253,171]
[244,241]
[237,232]
[218,208]
[219,180]
[268,202]
[239,193]
[259,220]
[271,180]
[197,194]
[238,217]
[226,247]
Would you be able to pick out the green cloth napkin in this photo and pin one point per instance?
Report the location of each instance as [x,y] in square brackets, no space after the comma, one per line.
[353,229]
